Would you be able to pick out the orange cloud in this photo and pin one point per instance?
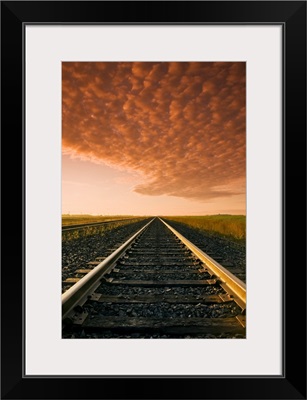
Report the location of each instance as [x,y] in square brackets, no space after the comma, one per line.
[180,125]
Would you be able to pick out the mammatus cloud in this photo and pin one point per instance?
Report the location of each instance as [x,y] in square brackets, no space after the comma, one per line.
[181,125]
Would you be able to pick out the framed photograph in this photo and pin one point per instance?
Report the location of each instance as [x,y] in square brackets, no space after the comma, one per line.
[150,116]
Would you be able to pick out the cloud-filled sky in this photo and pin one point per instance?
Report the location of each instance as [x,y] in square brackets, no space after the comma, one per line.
[171,131]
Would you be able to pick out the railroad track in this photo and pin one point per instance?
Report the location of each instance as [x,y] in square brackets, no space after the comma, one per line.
[75,227]
[156,285]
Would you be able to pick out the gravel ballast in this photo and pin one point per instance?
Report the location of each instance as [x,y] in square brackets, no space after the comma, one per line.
[229,253]
[76,253]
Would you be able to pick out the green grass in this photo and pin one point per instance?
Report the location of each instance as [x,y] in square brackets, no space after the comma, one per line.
[232,226]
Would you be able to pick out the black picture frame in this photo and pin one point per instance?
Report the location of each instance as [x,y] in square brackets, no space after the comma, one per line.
[15,15]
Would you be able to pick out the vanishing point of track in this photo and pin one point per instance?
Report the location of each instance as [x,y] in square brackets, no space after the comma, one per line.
[157,284]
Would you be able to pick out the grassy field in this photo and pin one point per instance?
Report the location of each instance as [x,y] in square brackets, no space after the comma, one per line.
[94,230]
[232,226]
[68,219]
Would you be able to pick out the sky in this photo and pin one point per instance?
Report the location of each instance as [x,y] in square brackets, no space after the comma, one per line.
[153,138]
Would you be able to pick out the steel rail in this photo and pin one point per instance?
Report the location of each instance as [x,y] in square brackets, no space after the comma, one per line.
[92,224]
[80,291]
[234,285]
